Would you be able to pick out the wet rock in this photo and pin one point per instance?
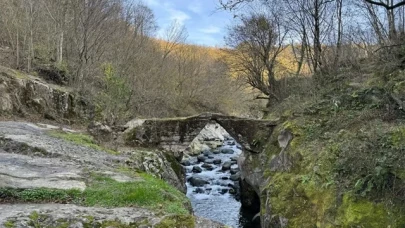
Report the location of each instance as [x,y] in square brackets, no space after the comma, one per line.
[224,178]
[197,169]
[234,170]
[211,156]
[216,151]
[227,151]
[201,158]
[209,161]
[197,182]
[217,161]
[239,147]
[199,190]
[231,143]
[207,166]
[234,158]
[186,162]
[232,191]
[234,162]
[226,166]
[223,191]
[207,153]
[235,177]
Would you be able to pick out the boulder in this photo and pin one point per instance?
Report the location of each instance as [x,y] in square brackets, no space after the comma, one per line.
[209,161]
[207,153]
[217,161]
[201,158]
[234,170]
[197,169]
[186,163]
[227,151]
[226,166]
[209,137]
[216,151]
[199,190]
[207,166]
[235,177]
[197,182]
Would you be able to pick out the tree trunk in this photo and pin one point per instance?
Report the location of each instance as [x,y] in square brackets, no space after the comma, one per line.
[59,52]
[17,63]
[317,34]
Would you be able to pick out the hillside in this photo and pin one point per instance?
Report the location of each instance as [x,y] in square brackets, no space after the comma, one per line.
[344,166]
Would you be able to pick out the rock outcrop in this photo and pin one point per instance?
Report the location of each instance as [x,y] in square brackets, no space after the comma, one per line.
[210,137]
[49,178]
[23,95]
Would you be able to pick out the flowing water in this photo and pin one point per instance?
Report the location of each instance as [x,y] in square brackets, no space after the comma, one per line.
[219,199]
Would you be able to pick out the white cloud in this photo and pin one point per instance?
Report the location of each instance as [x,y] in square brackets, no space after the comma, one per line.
[178,15]
[210,30]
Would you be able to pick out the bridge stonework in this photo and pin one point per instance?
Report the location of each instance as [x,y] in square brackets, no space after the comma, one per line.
[176,134]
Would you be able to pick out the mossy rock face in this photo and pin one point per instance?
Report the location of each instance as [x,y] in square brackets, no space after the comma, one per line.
[347,164]
[363,213]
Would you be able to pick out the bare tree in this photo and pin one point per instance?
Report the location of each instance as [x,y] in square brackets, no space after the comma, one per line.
[256,42]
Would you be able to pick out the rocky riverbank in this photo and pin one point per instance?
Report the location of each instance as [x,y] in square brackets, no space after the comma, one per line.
[54,177]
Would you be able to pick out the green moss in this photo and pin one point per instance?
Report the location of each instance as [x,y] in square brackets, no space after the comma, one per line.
[398,138]
[178,221]
[363,213]
[9,224]
[176,166]
[81,139]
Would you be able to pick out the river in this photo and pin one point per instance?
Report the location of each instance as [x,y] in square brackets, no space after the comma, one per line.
[210,189]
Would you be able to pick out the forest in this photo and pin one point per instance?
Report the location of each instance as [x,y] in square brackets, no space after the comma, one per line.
[106,50]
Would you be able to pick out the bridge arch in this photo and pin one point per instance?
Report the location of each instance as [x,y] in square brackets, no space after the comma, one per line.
[176,134]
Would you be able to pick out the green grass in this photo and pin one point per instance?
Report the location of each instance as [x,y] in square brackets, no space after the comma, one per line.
[151,193]
[40,195]
[81,139]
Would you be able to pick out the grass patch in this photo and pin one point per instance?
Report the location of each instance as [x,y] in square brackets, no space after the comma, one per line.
[39,195]
[9,224]
[151,193]
[81,139]
[102,191]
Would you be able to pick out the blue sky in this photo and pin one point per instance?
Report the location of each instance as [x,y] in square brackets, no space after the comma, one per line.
[205,25]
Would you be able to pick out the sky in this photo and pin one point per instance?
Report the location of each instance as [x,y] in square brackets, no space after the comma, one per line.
[204,23]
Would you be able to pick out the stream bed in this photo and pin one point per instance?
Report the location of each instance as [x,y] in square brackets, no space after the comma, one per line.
[213,186]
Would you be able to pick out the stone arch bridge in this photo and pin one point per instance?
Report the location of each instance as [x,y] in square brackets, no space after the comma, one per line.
[176,134]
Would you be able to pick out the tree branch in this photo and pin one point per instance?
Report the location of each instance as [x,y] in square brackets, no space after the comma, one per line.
[386,6]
